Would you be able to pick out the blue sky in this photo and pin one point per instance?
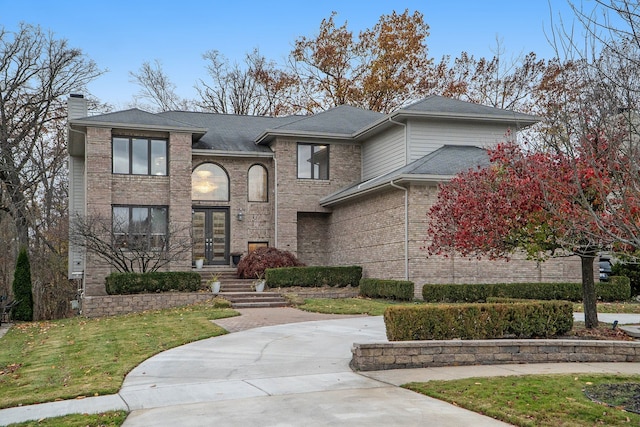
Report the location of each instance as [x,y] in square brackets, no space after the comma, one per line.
[121,35]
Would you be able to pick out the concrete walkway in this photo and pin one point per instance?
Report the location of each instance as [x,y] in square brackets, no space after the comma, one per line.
[285,375]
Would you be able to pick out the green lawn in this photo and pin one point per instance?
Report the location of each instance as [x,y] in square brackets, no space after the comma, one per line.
[65,359]
[108,419]
[45,361]
[536,400]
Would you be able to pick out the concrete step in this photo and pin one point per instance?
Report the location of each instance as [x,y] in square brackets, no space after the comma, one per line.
[254,299]
[259,304]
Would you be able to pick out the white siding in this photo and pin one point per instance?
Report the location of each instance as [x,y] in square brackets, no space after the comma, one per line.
[427,136]
[76,207]
[383,153]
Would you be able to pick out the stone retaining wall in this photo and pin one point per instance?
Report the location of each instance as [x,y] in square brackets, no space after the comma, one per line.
[99,306]
[424,354]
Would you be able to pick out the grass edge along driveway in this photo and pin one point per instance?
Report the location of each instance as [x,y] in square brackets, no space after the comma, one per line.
[81,357]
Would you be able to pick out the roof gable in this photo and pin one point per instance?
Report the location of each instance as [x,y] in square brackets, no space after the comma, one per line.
[439,165]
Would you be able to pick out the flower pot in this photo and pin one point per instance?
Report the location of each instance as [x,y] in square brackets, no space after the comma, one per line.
[215,287]
[260,285]
[199,263]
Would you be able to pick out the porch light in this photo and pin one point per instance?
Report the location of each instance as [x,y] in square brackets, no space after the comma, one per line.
[240,215]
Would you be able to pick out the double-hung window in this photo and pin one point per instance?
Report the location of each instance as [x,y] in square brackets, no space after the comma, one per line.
[140,227]
[313,161]
[139,156]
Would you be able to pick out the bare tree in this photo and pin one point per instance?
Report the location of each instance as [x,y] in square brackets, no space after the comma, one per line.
[255,88]
[36,70]
[157,88]
[129,252]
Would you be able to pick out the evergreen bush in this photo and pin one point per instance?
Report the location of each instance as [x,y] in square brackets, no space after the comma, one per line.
[22,288]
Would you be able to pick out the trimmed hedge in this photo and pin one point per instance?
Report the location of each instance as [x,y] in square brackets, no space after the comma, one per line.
[632,271]
[615,290]
[157,281]
[478,321]
[392,289]
[313,276]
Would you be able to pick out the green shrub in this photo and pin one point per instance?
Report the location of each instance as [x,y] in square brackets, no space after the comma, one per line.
[632,271]
[313,276]
[618,288]
[392,289]
[478,321]
[157,281]
[612,291]
[22,288]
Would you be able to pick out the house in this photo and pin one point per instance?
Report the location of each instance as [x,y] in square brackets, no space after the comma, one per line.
[343,187]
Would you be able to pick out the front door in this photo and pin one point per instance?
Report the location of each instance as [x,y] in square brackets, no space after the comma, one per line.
[211,235]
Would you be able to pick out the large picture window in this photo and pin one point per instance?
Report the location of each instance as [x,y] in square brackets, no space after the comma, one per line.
[257,184]
[210,182]
[139,156]
[140,227]
[313,161]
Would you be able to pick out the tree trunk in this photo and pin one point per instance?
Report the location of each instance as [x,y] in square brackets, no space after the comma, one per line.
[589,292]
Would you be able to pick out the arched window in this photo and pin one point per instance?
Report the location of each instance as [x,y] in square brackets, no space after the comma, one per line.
[258,184]
[210,182]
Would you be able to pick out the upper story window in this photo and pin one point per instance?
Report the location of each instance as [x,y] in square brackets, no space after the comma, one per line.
[257,184]
[139,156]
[140,228]
[210,182]
[313,161]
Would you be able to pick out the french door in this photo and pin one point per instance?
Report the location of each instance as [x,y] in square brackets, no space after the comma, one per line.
[211,235]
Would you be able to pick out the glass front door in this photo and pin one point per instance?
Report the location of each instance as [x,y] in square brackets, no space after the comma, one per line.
[211,235]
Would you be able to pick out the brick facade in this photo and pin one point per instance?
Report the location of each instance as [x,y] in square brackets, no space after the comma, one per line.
[303,195]
[105,189]
[258,222]
[369,231]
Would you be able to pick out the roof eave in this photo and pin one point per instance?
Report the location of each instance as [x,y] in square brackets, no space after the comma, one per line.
[136,126]
[525,121]
[270,134]
[400,179]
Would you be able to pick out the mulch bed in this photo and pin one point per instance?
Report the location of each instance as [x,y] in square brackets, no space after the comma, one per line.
[624,395]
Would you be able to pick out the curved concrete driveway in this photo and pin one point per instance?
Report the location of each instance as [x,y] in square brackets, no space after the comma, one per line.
[285,375]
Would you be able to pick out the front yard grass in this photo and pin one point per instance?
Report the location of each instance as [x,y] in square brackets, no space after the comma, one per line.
[107,419]
[372,307]
[612,307]
[536,400]
[71,358]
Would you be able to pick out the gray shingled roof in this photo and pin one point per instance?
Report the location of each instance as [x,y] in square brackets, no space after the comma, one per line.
[343,119]
[229,132]
[441,106]
[137,118]
[446,161]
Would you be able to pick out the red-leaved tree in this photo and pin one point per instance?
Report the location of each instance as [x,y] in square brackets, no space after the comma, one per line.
[545,204]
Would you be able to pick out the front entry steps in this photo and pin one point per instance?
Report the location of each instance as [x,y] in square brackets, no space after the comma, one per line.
[239,292]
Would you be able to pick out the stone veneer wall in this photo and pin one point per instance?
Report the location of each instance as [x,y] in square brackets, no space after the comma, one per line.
[425,354]
[111,305]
